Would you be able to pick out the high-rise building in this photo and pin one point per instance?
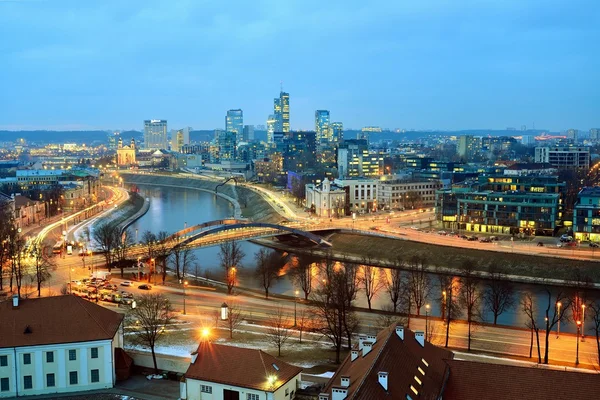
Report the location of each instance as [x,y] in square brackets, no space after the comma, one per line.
[337,131]
[564,156]
[271,125]
[155,134]
[594,134]
[234,122]
[573,134]
[226,142]
[180,138]
[468,146]
[354,159]
[281,112]
[248,135]
[322,125]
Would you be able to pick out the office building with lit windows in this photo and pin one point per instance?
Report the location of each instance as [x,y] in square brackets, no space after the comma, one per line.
[564,156]
[271,124]
[155,134]
[586,216]
[354,159]
[322,125]
[281,112]
[337,131]
[234,122]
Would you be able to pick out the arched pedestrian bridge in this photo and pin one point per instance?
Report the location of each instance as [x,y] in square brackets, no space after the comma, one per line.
[214,232]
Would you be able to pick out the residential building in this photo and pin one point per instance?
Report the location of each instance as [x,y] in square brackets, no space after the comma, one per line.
[155,134]
[326,200]
[394,194]
[126,154]
[221,372]
[564,156]
[586,216]
[281,112]
[362,194]
[248,134]
[227,146]
[355,160]
[60,352]
[594,134]
[400,364]
[234,122]
[322,125]
[299,150]
[182,138]
[337,131]
[28,211]
[270,170]
[468,147]
[573,134]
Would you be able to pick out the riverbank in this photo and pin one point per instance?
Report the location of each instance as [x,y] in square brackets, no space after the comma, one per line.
[247,203]
[126,213]
[385,252]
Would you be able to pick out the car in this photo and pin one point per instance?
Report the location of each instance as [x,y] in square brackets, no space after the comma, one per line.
[126,283]
[485,240]
[442,232]
[472,238]
[540,244]
[593,244]
[145,287]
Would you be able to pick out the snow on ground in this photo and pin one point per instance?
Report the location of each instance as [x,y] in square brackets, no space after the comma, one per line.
[180,350]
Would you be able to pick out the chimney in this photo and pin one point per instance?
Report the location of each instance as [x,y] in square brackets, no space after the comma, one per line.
[15,300]
[345,381]
[339,393]
[367,346]
[420,337]
[353,355]
[361,340]
[194,357]
[400,331]
[323,396]
[383,380]
[372,338]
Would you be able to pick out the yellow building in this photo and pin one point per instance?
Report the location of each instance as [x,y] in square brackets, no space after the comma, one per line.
[126,154]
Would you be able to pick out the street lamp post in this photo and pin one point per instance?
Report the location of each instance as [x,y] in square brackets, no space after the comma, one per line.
[295,302]
[138,267]
[583,322]
[153,270]
[185,283]
[426,321]
[444,306]
[558,305]
[577,354]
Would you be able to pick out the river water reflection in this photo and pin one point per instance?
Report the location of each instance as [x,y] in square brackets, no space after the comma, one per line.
[173,208]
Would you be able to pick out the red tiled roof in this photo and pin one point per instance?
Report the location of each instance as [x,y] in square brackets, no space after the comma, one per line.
[401,360]
[54,320]
[240,367]
[471,380]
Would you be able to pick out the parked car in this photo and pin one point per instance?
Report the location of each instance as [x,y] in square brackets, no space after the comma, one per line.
[472,238]
[126,283]
[145,287]
[566,238]
[485,240]
[540,244]
[593,244]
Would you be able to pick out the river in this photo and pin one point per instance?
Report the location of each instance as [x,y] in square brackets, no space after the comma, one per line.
[171,209]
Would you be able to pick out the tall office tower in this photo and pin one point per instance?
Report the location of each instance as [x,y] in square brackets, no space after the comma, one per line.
[271,125]
[281,111]
[594,134]
[248,133]
[322,126]
[234,122]
[337,131]
[155,134]
[573,134]
[180,138]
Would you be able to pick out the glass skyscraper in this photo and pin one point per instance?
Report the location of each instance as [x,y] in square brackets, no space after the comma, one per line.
[281,112]
[155,134]
[234,122]
[322,127]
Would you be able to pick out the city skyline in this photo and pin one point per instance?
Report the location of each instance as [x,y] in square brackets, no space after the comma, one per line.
[415,66]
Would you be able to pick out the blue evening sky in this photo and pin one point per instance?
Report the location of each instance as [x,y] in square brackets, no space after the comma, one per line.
[422,64]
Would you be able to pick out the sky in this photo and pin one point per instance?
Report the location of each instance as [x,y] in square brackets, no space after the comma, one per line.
[411,64]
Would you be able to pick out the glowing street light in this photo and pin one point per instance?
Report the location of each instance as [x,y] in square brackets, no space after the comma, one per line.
[583,322]
[558,305]
[577,354]
[426,320]
[295,302]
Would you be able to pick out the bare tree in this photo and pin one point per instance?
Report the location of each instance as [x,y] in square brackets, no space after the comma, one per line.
[302,273]
[42,265]
[231,256]
[123,243]
[595,309]
[470,297]
[528,307]
[554,313]
[234,319]
[149,242]
[419,282]
[268,266]
[16,247]
[278,331]
[304,322]
[152,315]
[181,259]
[6,224]
[449,301]
[104,236]
[162,251]
[499,293]
[370,279]
[393,284]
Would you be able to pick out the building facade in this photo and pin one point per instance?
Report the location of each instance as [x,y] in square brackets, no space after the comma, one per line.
[398,194]
[126,154]
[155,134]
[337,132]
[60,353]
[361,194]
[281,112]
[354,160]
[234,122]
[564,156]
[326,200]
[468,147]
[586,216]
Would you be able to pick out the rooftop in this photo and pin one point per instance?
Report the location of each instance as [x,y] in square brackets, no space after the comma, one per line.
[55,320]
[240,367]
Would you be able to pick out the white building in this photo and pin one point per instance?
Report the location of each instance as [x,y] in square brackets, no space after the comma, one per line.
[57,345]
[220,372]
[402,194]
[362,193]
[328,201]
[564,156]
